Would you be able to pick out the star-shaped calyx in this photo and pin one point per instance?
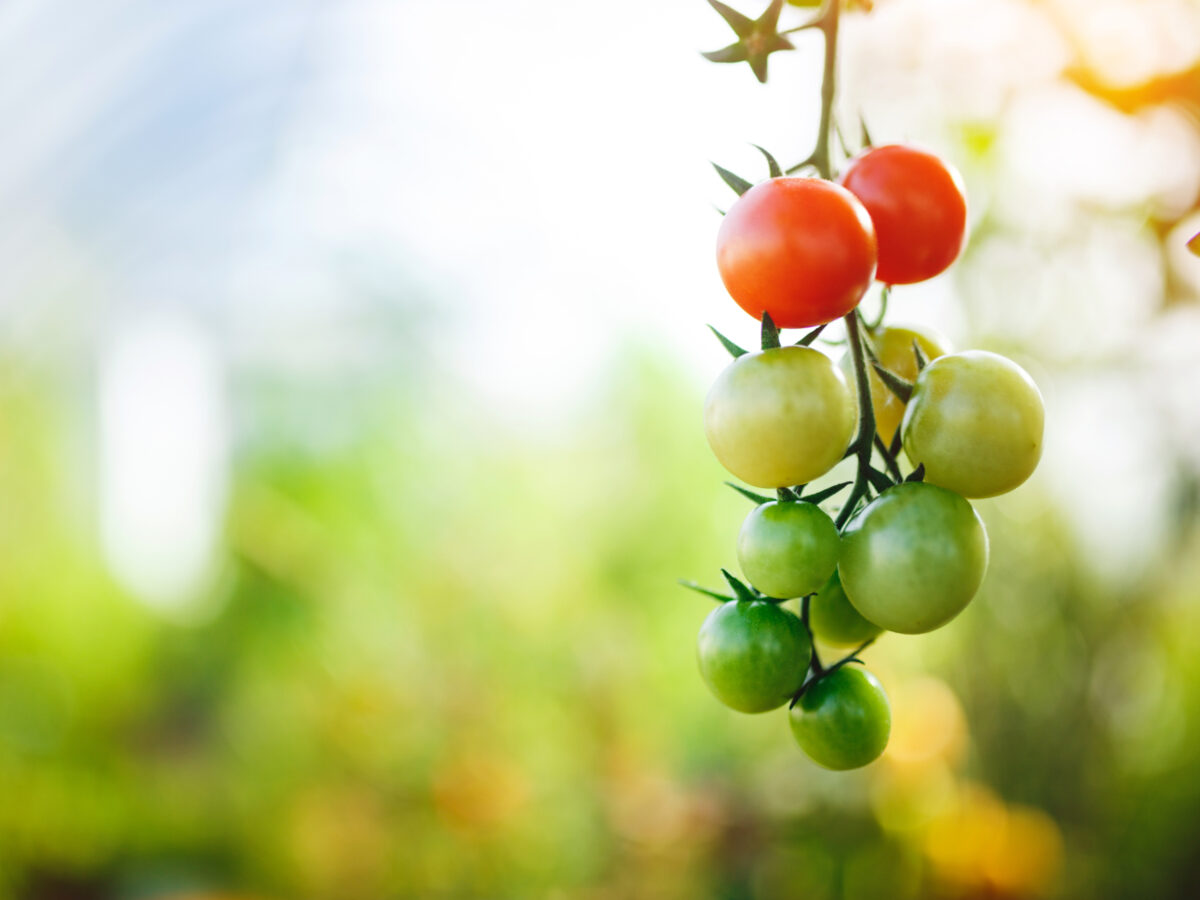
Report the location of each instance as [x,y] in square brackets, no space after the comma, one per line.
[757,38]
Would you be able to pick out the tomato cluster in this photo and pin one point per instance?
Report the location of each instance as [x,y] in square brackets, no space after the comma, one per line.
[907,552]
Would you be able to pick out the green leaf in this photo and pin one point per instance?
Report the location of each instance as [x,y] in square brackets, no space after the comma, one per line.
[712,595]
[742,591]
[917,474]
[772,165]
[734,350]
[740,185]
[770,334]
[749,495]
[824,494]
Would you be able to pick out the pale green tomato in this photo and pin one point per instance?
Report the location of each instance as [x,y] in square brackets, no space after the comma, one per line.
[893,348]
[753,655]
[975,422]
[913,558]
[843,720]
[787,549]
[781,417]
[834,621]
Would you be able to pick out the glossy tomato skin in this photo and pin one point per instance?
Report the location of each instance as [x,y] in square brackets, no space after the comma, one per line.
[913,558]
[918,206]
[843,720]
[753,655]
[835,621]
[893,347]
[801,249]
[788,549]
[975,421]
[780,417]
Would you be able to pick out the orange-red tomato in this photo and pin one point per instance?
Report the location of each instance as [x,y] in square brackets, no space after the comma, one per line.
[801,249]
[919,208]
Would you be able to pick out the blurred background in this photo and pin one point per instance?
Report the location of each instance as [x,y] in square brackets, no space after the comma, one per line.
[351,364]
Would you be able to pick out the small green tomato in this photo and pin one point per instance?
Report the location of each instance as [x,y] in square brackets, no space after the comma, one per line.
[913,558]
[843,719]
[835,621]
[788,549]
[753,655]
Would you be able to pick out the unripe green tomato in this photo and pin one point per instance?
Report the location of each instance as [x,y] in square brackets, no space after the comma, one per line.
[780,417]
[835,621]
[788,549]
[913,558]
[753,655]
[975,422]
[893,348]
[843,719]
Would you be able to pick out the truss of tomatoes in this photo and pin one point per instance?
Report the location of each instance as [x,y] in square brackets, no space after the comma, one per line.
[804,251]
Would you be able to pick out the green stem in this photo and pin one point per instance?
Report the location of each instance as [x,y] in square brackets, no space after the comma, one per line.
[829,27]
[864,442]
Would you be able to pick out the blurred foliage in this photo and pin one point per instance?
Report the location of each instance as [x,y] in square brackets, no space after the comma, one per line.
[446,659]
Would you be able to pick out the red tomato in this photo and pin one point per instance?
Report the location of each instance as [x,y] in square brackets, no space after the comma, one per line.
[919,208]
[801,249]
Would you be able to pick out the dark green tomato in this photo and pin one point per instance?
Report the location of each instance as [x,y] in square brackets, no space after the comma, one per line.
[788,549]
[913,558]
[753,655]
[835,621]
[843,719]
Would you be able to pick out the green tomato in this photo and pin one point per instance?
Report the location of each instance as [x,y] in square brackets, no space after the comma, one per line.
[834,621]
[788,549]
[913,558]
[780,417]
[753,655]
[975,422]
[843,719]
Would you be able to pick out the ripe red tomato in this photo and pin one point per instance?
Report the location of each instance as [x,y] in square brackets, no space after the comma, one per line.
[801,249]
[919,208]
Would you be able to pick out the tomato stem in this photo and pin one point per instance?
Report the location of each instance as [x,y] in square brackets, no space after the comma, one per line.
[864,442]
[829,27]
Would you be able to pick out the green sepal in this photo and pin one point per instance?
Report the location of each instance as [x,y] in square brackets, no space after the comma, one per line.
[901,387]
[917,474]
[739,184]
[770,334]
[731,54]
[734,350]
[749,495]
[811,336]
[922,362]
[772,164]
[742,591]
[881,481]
[712,595]
[742,25]
[824,494]
[787,495]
